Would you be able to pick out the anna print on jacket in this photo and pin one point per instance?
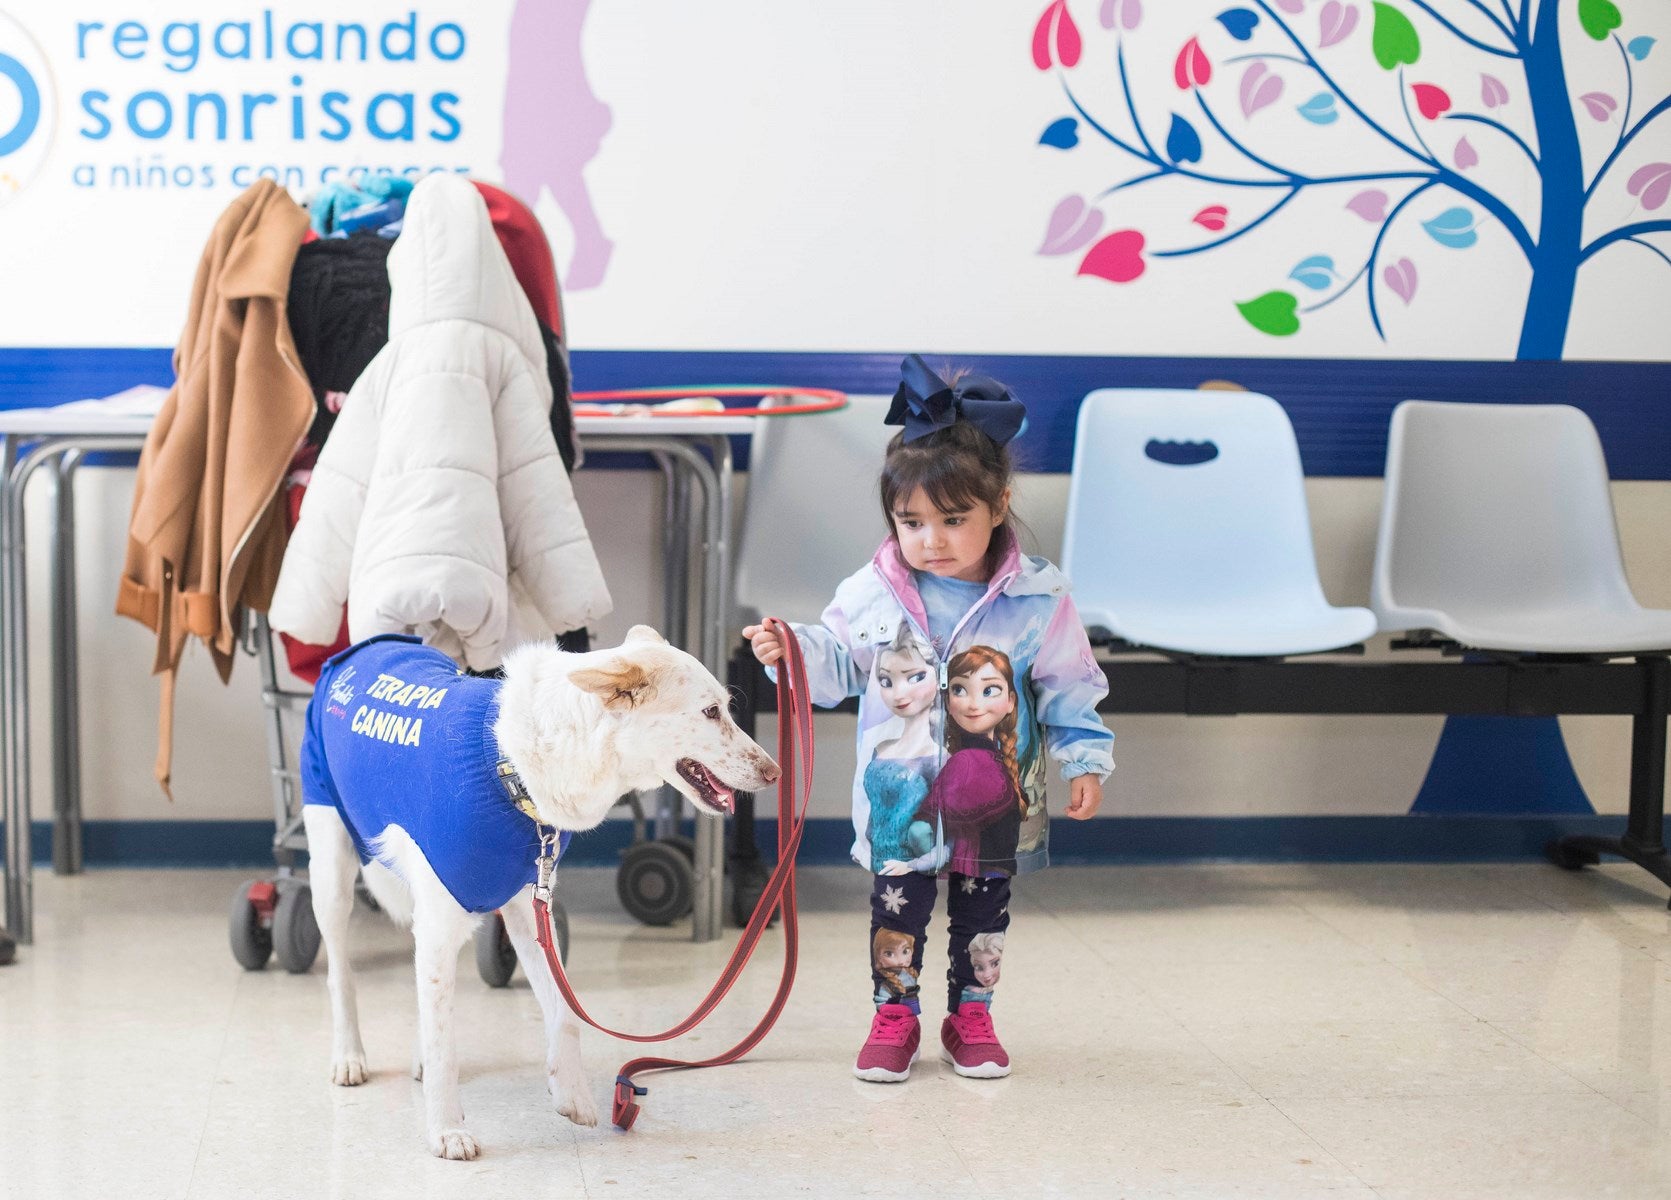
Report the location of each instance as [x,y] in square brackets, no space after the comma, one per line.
[977,795]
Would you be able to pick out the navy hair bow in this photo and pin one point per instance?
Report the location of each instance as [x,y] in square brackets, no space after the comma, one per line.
[925,403]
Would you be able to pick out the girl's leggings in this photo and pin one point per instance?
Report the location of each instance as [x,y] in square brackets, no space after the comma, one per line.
[978,911]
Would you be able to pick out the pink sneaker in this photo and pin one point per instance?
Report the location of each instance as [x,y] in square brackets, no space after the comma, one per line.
[892,1046]
[970,1044]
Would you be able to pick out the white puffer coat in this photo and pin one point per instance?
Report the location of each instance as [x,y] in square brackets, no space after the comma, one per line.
[439,504]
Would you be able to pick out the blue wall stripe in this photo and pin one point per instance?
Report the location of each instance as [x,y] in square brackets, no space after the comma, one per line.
[1106,841]
[1340,407]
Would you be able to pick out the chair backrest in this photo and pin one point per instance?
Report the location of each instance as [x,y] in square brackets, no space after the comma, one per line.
[812,516]
[1499,507]
[1184,499]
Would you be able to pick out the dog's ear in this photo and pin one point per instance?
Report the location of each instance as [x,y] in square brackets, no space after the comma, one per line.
[620,683]
[643,633]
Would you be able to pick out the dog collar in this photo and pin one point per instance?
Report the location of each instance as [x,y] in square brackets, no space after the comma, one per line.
[517,791]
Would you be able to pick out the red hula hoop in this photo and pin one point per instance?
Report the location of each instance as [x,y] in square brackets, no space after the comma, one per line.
[828,400]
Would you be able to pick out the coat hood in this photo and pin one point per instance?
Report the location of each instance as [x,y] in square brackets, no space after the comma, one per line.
[448,265]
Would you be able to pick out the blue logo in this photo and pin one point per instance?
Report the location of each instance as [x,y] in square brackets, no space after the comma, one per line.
[29,113]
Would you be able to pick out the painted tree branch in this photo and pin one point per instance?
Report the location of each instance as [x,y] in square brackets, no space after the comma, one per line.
[1624,140]
[1375,251]
[1457,32]
[1625,233]
[1499,127]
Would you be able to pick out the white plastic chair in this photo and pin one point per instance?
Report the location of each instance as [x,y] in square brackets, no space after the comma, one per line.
[812,516]
[1497,532]
[1210,557]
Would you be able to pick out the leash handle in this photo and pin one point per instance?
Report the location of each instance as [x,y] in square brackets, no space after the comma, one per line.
[795,738]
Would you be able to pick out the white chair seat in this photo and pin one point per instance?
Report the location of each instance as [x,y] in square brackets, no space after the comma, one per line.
[1251,630]
[1550,630]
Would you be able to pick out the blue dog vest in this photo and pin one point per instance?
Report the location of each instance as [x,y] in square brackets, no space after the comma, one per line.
[398,735]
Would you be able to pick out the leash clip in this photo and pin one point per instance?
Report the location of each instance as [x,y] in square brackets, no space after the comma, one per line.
[546,866]
[625,1108]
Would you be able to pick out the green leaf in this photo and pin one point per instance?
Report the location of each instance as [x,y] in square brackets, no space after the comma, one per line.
[1272,313]
[1599,18]
[1395,40]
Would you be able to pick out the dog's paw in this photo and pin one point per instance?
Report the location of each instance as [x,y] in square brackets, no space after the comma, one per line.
[349,1071]
[454,1144]
[575,1103]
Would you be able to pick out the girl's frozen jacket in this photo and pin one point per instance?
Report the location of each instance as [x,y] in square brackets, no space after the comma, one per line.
[1029,619]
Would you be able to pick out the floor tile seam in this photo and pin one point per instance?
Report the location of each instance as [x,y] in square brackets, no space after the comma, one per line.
[243,978]
[1313,1139]
[1533,1050]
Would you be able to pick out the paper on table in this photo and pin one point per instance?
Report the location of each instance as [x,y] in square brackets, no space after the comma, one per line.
[141,400]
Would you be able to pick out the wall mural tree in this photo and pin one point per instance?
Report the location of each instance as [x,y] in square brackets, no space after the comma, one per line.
[1290,48]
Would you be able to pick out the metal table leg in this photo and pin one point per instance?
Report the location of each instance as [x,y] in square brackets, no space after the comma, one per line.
[17,840]
[66,702]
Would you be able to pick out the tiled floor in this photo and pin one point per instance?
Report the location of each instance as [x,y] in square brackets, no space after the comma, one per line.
[1215,1032]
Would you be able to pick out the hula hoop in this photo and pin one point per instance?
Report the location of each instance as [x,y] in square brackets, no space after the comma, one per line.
[827,400]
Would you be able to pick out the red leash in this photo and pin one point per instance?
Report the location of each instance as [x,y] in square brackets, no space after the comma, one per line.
[794,739]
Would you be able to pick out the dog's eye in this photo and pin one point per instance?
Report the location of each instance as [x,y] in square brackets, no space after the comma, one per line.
[711,712]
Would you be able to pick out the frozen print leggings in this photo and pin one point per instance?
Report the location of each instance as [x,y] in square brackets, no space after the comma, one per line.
[900,905]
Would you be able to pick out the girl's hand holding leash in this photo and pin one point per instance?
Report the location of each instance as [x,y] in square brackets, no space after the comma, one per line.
[765,644]
[1086,798]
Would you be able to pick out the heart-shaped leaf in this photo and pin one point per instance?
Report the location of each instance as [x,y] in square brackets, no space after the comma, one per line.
[1274,313]
[1393,38]
[1259,88]
[1073,224]
[1124,13]
[1598,104]
[1056,34]
[1239,23]
[1650,184]
[1371,205]
[1638,47]
[1337,21]
[1465,156]
[1493,92]
[1320,109]
[1062,133]
[1183,144]
[1316,272]
[1431,100]
[1192,68]
[1455,227]
[1400,277]
[1213,217]
[1599,18]
[1295,7]
[1118,258]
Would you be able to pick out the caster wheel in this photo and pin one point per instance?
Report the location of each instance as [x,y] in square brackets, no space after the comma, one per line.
[656,883]
[8,948]
[295,932]
[495,956]
[1570,858]
[748,883]
[251,925]
[683,844]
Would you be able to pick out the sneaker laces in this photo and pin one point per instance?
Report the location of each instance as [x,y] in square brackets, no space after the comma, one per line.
[974,1025]
[892,1028]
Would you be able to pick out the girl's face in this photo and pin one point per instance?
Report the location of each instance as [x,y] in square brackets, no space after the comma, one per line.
[894,957]
[908,685]
[986,968]
[952,545]
[979,701]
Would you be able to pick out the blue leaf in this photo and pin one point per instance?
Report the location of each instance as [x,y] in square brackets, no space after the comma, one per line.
[1062,133]
[1316,272]
[1183,144]
[1239,23]
[1639,47]
[1320,109]
[1454,228]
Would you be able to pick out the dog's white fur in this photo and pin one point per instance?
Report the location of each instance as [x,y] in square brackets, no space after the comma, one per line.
[581,730]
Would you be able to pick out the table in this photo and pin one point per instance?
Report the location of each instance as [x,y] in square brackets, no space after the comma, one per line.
[32,439]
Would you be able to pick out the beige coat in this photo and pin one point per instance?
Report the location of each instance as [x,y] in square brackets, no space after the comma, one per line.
[207,534]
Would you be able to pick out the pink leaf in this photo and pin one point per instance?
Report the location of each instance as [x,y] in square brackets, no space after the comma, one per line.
[1400,277]
[1651,184]
[1466,156]
[1338,21]
[1598,104]
[1072,225]
[1431,99]
[1056,31]
[1493,92]
[1125,13]
[1193,69]
[1291,6]
[1213,217]
[1370,205]
[1259,88]
[1117,258]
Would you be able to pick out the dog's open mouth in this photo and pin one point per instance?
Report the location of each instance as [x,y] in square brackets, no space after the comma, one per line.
[709,789]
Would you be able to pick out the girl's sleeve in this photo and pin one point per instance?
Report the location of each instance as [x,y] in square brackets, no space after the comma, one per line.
[832,675]
[1067,684]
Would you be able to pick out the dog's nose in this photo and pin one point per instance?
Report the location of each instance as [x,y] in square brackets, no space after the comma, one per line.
[770,772]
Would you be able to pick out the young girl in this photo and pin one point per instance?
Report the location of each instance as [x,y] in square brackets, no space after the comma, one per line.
[1014,680]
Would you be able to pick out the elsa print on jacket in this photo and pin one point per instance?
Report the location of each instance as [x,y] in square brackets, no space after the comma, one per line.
[897,777]
[977,794]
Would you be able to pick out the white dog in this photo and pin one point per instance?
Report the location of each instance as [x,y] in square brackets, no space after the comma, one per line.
[426,815]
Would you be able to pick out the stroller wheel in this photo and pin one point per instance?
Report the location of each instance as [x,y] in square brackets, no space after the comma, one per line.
[495,956]
[250,926]
[295,932]
[656,882]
